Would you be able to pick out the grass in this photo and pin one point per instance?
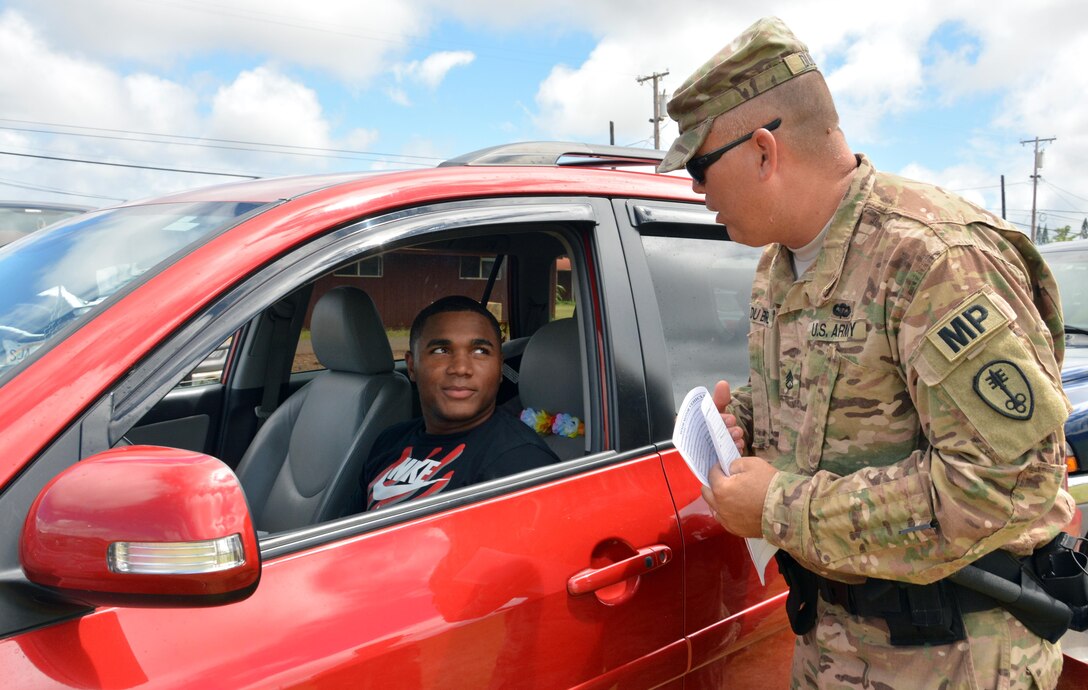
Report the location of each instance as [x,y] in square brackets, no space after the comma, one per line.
[564,310]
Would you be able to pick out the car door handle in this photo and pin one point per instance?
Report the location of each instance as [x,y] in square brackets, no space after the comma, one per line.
[645,560]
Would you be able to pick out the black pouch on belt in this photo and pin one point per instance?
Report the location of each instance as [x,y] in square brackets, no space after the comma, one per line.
[801,601]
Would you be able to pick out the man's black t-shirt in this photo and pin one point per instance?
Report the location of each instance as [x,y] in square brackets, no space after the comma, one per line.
[406,462]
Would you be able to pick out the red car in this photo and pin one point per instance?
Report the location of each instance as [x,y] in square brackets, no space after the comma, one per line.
[168,530]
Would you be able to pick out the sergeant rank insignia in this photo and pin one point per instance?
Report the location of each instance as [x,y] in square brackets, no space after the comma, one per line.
[1003,386]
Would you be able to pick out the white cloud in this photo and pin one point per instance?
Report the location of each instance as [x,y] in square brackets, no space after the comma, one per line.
[880,67]
[883,64]
[398,96]
[361,139]
[43,84]
[352,40]
[433,69]
[265,105]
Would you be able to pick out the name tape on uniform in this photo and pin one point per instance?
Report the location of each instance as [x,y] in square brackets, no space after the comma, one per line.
[969,324]
[760,314]
[837,331]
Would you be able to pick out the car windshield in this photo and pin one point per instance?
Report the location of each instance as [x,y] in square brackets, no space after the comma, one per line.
[59,277]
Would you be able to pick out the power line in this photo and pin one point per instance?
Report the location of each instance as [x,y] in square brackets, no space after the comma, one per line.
[1064,191]
[127,165]
[186,138]
[36,188]
[1051,210]
[992,186]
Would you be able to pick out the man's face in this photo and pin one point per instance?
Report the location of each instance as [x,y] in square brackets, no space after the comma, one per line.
[457,366]
[731,189]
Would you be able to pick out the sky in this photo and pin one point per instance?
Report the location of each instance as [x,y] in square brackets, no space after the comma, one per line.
[943,91]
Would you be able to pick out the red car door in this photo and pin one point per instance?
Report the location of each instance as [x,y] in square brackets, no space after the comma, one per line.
[473,597]
[691,288]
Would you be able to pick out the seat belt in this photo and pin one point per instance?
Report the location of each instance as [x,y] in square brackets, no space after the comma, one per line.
[508,372]
[495,267]
[276,369]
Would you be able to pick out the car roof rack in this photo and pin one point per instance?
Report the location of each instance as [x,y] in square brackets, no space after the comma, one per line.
[552,153]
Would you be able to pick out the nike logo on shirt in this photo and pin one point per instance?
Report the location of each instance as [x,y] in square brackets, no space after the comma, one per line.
[382,491]
[408,475]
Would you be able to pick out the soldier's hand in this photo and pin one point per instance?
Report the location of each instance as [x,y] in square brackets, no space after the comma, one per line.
[737,500]
[722,398]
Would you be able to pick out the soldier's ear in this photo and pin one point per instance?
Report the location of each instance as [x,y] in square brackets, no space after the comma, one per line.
[767,146]
[409,363]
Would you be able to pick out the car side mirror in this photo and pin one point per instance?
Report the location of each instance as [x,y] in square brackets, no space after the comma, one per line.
[143,526]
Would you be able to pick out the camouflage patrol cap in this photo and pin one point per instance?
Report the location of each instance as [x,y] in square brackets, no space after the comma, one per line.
[765,55]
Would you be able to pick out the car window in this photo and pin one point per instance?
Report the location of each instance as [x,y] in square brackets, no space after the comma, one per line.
[402,282]
[59,277]
[224,421]
[210,369]
[703,286]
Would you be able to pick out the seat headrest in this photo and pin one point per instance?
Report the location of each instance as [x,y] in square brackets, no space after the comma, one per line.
[347,333]
[550,377]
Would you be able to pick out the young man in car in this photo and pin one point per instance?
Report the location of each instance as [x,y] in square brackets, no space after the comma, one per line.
[903,415]
[455,360]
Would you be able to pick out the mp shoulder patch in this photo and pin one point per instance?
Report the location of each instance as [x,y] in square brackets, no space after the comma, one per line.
[1003,386]
[967,326]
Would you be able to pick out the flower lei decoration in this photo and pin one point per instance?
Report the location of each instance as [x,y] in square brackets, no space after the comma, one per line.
[561,424]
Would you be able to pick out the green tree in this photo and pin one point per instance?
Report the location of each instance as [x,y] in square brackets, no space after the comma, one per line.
[1084,229]
[1063,234]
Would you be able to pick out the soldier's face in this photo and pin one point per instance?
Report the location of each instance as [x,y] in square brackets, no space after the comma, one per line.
[731,187]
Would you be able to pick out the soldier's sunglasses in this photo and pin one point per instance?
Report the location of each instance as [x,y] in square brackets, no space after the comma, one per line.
[697,167]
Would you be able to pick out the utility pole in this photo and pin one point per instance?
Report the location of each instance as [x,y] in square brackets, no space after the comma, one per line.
[658,117]
[1035,176]
[1003,197]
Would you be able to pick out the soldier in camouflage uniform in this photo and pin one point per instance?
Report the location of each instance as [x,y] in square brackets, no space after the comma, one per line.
[904,407]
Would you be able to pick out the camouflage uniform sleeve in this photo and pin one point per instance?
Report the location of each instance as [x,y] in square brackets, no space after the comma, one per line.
[980,369]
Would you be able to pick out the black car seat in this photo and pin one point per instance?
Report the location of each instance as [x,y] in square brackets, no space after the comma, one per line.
[303,466]
[551,379]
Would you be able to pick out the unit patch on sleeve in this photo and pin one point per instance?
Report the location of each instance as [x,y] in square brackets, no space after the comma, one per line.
[968,325]
[1002,386]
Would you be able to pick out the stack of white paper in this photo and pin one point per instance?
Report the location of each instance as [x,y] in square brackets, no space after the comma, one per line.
[702,439]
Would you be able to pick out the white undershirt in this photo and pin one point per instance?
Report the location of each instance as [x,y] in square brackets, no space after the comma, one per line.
[805,256]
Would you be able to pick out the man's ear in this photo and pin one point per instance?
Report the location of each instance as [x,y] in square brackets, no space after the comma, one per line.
[767,146]
[410,364]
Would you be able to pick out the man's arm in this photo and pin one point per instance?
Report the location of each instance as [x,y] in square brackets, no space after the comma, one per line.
[980,370]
